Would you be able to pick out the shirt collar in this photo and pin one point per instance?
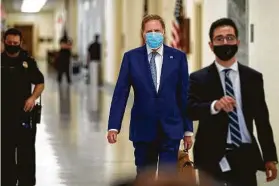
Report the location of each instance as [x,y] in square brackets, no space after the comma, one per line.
[159,51]
[220,68]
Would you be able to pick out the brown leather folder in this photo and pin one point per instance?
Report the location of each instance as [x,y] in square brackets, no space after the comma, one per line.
[186,167]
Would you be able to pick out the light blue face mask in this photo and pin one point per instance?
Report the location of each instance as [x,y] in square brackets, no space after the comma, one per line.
[154,39]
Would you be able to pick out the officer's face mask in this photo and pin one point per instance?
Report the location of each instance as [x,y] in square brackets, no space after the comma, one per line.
[154,39]
[12,49]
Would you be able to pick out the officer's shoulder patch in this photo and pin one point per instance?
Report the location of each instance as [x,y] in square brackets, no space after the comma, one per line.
[25,64]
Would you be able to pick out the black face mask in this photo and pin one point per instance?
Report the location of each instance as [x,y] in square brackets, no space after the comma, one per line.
[225,52]
[12,49]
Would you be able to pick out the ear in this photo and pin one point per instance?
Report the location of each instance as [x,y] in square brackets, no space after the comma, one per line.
[211,46]
[143,36]
[238,42]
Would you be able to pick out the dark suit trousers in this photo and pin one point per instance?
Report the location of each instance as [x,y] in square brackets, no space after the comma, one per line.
[230,178]
[243,168]
[17,155]
[60,75]
[162,151]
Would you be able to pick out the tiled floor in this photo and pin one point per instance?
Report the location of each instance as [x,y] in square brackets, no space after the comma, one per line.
[71,141]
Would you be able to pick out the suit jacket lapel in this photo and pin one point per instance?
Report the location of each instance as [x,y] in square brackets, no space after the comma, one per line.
[216,83]
[244,86]
[166,66]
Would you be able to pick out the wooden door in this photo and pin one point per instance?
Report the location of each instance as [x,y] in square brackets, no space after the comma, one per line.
[27,37]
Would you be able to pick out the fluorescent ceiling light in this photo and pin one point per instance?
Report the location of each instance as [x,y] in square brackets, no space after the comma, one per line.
[32,6]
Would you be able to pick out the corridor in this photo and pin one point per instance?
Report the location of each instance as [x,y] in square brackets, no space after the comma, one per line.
[71,141]
[72,149]
[71,144]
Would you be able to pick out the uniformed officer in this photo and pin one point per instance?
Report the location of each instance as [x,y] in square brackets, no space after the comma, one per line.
[19,72]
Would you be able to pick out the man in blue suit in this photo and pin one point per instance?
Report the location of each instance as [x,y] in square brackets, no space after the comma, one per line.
[159,77]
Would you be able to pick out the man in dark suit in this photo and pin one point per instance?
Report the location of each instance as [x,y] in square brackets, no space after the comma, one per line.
[64,58]
[94,50]
[226,97]
[94,56]
[159,77]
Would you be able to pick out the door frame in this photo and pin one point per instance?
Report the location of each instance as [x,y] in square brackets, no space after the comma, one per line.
[34,41]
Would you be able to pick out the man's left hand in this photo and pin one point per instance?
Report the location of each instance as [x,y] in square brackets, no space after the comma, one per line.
[29,104]
[271,171]
[188,142]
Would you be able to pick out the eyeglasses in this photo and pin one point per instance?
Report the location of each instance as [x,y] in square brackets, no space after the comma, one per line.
[229,38]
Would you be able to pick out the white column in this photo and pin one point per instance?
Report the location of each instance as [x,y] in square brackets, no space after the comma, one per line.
[132,17]
[113,29]
[72,22]
[109,40]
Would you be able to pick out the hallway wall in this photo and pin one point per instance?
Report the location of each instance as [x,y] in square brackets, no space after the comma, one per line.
[263,53]
[212,10]
[42,28]
[59,20]
[72,22]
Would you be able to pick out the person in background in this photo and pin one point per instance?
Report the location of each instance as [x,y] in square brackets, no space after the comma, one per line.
[19,72]
[159,77]
[64,59]
[94,56]
[226,98]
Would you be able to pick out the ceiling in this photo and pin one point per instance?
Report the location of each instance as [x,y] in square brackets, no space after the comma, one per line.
[15,5]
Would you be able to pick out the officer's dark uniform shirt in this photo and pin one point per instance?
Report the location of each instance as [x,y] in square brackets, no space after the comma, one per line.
[17,75]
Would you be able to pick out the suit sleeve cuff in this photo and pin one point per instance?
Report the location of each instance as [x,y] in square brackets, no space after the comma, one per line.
[113,130]
[187,133]
[212,109]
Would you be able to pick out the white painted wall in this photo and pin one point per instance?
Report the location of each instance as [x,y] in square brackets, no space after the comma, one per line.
[71,21]
[263,53]
[132,16]
[59,14]
[42,28]
[212,10]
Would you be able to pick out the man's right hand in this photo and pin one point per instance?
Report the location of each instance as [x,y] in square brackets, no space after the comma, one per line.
[112,136]
[226,103]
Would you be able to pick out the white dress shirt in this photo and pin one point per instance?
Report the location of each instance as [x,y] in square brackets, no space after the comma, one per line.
[159,64]
[235,78]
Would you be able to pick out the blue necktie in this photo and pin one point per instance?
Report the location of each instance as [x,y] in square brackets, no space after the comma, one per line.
[153,69]
[233,117]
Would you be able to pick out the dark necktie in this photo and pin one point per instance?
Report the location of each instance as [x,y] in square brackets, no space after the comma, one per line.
[233,117]
[153,69]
